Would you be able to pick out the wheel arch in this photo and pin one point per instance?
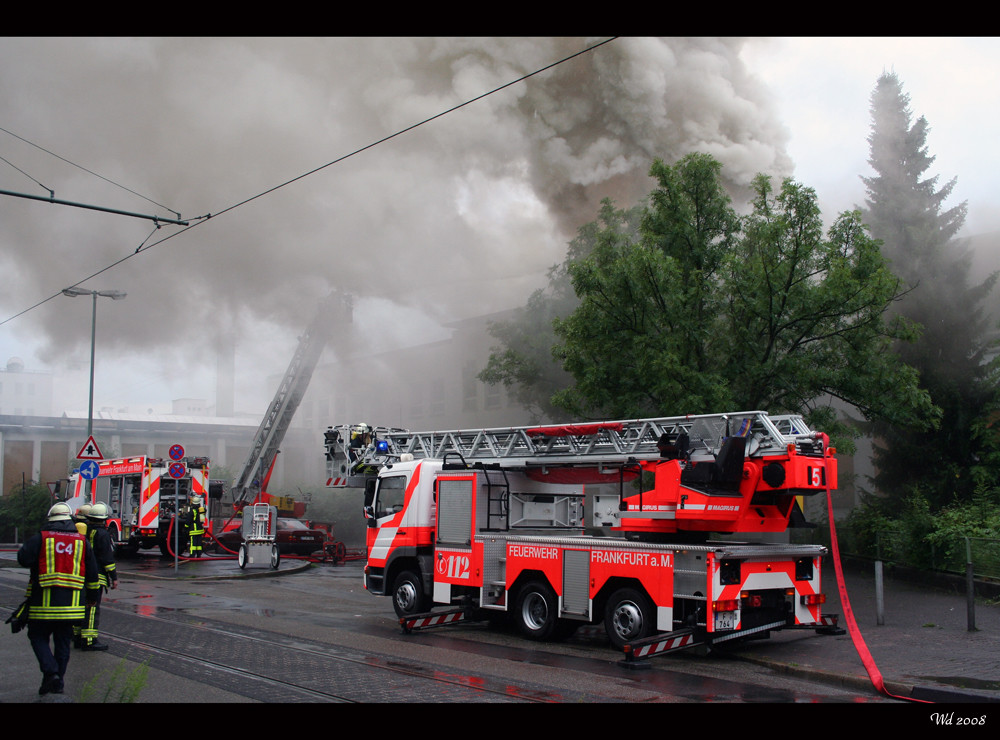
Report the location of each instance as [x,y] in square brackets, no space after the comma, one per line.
[614,584]
[420,561]
[527,576]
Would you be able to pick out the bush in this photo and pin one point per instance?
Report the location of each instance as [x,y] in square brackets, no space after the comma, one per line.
[23,510]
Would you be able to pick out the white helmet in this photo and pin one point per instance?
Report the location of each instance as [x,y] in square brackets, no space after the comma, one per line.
[60,513]
[98,511]
[84,510]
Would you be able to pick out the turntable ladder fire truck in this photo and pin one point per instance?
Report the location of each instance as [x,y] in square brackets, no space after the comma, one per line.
[492,521]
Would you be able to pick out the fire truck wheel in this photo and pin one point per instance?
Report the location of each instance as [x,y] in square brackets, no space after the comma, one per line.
[241,557]
[536,611]
[408,596]
[629,616]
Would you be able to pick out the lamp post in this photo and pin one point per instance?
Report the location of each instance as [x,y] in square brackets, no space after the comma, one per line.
[115,295]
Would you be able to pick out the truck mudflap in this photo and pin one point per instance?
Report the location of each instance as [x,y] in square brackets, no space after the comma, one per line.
[668,642]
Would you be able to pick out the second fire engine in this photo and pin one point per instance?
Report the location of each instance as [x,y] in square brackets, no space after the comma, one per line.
[143,495]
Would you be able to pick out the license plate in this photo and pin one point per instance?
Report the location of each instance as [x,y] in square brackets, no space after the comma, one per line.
[725,621]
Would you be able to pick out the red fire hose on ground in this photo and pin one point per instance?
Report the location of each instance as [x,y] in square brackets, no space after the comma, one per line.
[852,626]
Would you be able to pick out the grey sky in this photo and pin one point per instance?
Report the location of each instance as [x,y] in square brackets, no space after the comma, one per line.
[454,219]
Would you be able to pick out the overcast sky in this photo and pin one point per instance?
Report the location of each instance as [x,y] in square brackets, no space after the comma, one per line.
[458,217]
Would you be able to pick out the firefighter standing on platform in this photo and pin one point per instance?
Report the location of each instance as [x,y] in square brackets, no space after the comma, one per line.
[104,551]
[197,526]
[64,578]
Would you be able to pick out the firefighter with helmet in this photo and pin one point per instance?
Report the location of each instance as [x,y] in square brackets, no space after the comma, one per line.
[64,578]
[196,529]
[104,551]
[81,519]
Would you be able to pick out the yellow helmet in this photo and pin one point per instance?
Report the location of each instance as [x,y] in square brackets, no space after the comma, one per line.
[84,510]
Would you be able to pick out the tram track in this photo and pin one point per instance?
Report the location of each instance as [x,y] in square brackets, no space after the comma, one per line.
[258,663]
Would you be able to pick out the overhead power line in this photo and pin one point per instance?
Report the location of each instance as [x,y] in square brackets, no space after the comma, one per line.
[384,139]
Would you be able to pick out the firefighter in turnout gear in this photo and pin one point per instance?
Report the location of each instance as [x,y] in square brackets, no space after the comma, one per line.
[196,526]
[64,578]
[104,551]
[80,518]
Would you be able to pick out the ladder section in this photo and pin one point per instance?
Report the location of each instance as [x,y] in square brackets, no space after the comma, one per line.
[278,418]
[607,441]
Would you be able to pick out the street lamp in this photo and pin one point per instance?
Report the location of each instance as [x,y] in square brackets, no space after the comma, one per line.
[115,295]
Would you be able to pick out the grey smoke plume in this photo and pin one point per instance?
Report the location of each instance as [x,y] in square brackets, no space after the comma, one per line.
[453,219]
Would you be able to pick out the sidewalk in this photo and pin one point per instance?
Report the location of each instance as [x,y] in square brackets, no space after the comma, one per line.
[923,650]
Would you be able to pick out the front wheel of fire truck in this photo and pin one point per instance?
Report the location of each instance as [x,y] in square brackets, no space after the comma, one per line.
[536,611]
[628,616]
[408,595]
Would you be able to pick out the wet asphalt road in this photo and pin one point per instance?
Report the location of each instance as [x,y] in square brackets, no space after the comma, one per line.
[312,634]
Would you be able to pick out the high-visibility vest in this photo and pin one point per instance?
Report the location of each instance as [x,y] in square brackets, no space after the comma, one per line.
[61,560]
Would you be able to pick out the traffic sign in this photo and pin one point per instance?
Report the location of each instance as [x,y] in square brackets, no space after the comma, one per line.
[90,450]
[89,470]
[176,452]
[177,470]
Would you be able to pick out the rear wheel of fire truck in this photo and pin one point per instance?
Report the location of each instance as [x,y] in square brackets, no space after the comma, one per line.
[536,611]
[241,557]
[628,616]
[408,596]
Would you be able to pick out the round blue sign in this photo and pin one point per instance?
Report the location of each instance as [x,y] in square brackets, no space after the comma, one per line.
[177,470]
[89,470]
[176,452]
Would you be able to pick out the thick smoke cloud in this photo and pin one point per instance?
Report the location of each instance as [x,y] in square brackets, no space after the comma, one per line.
[453,219]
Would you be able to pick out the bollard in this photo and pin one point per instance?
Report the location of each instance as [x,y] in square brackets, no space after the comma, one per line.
[970,588]
[879,604]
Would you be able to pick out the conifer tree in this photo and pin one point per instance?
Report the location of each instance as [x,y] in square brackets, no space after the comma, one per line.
[906,210]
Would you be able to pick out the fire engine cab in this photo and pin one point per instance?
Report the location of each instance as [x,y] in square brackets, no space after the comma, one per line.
[493,521]
[143,495]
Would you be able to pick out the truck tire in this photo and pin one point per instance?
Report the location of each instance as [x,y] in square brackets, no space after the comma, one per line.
[408,597]
[536,611]
[629,616]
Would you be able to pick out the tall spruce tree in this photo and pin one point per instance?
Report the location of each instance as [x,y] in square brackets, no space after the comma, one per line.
[906,210]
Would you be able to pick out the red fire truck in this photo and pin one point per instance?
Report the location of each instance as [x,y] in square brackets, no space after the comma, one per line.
[492,520]
[143,494]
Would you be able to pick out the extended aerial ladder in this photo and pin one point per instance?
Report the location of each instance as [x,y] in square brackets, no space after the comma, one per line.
[608,443]
[271,432]
[725,472]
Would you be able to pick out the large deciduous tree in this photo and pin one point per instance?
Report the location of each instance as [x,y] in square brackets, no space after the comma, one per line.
[701,310]
[906,210]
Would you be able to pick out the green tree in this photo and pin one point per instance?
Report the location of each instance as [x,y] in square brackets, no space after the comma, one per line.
[905,210]
[702,310]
